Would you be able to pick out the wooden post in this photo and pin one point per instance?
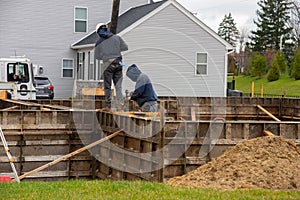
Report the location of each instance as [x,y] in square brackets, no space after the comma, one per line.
[162,139]
[252,89]
[114,16]
[70,155]
[262,90]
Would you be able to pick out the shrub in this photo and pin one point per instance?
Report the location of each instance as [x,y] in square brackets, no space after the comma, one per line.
[274,74]
[282,61]
[295,69]
[259,65]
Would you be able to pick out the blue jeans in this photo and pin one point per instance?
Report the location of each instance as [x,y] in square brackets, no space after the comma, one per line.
[113,72]
[149,106]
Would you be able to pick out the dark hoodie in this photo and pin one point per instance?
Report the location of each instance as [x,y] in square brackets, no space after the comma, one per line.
[144,91]
[109,46]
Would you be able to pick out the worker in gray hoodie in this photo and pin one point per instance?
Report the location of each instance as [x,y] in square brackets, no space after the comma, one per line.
[108,49]
[144,93]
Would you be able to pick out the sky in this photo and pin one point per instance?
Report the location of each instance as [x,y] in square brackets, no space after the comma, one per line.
[212,12]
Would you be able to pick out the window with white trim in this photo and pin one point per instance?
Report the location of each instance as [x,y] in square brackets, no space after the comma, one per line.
[201,64]
[80,18]
[80,65]
[91,72]
[67,68]
[99,69]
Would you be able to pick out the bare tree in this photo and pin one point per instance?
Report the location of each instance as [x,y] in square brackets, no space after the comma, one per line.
[240,56]
[295,19]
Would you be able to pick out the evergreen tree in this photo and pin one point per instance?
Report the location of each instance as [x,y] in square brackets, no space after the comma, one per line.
[271,25]
[274,74]
[281,60]
[228,31]
[259,65]
[295,70]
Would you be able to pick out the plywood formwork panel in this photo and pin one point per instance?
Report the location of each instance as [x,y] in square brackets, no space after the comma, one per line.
[255,130]
[289,131]
[146,147]
[132,144]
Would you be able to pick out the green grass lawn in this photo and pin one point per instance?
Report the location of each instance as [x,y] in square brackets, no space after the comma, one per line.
[244,83]
[128,190]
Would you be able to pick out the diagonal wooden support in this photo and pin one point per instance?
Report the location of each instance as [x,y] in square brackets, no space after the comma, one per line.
[70,154]
[268,133]
[268,113]
[11,108]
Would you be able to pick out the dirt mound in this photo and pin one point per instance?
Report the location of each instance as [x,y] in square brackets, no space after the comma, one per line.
[265,162]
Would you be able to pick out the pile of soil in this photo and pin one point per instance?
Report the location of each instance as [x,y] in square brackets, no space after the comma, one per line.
[264,162]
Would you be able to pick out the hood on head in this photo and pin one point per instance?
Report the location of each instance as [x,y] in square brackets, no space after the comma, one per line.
[133,72]
[105,35]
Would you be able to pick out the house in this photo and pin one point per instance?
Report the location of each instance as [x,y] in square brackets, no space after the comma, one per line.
[181,55]
[44,31]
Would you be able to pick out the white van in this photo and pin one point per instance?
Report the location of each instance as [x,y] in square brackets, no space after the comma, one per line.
[16,77]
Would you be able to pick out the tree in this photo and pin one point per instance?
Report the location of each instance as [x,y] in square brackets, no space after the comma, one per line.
[231,64]
[271,25]
[295,69]
[228,31]
[281,60]
[241,55]
[259,65]
[269,54]
[247,60]
[295,19]
[274,74]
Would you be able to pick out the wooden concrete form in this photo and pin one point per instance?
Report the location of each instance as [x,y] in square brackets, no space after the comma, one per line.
[36,136]
[187,137]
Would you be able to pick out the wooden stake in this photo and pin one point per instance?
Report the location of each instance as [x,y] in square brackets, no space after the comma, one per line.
[268,133]
[70,154]
[252,89]
[262,90]
[268,113]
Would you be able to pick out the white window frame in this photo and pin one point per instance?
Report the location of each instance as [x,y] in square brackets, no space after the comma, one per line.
[201,63]
[99,70]
[62,68]
[80,65]
[91,65]
[82,20]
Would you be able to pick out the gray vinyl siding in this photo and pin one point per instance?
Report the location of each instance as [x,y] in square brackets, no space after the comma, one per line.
[165,47]
[44,32]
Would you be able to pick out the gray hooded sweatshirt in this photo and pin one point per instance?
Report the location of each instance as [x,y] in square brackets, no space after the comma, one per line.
[109,46]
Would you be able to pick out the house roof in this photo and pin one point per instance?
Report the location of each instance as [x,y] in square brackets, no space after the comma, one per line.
[125,20]
[134,16]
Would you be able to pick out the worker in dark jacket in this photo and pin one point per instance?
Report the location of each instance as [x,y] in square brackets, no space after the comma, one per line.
[144,93]
[108,49]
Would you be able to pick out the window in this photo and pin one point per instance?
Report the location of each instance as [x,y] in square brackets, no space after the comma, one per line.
[99,69]
[80,20]
[91,66]
[67,68]
[80,65]
[201,64]
[18,72]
